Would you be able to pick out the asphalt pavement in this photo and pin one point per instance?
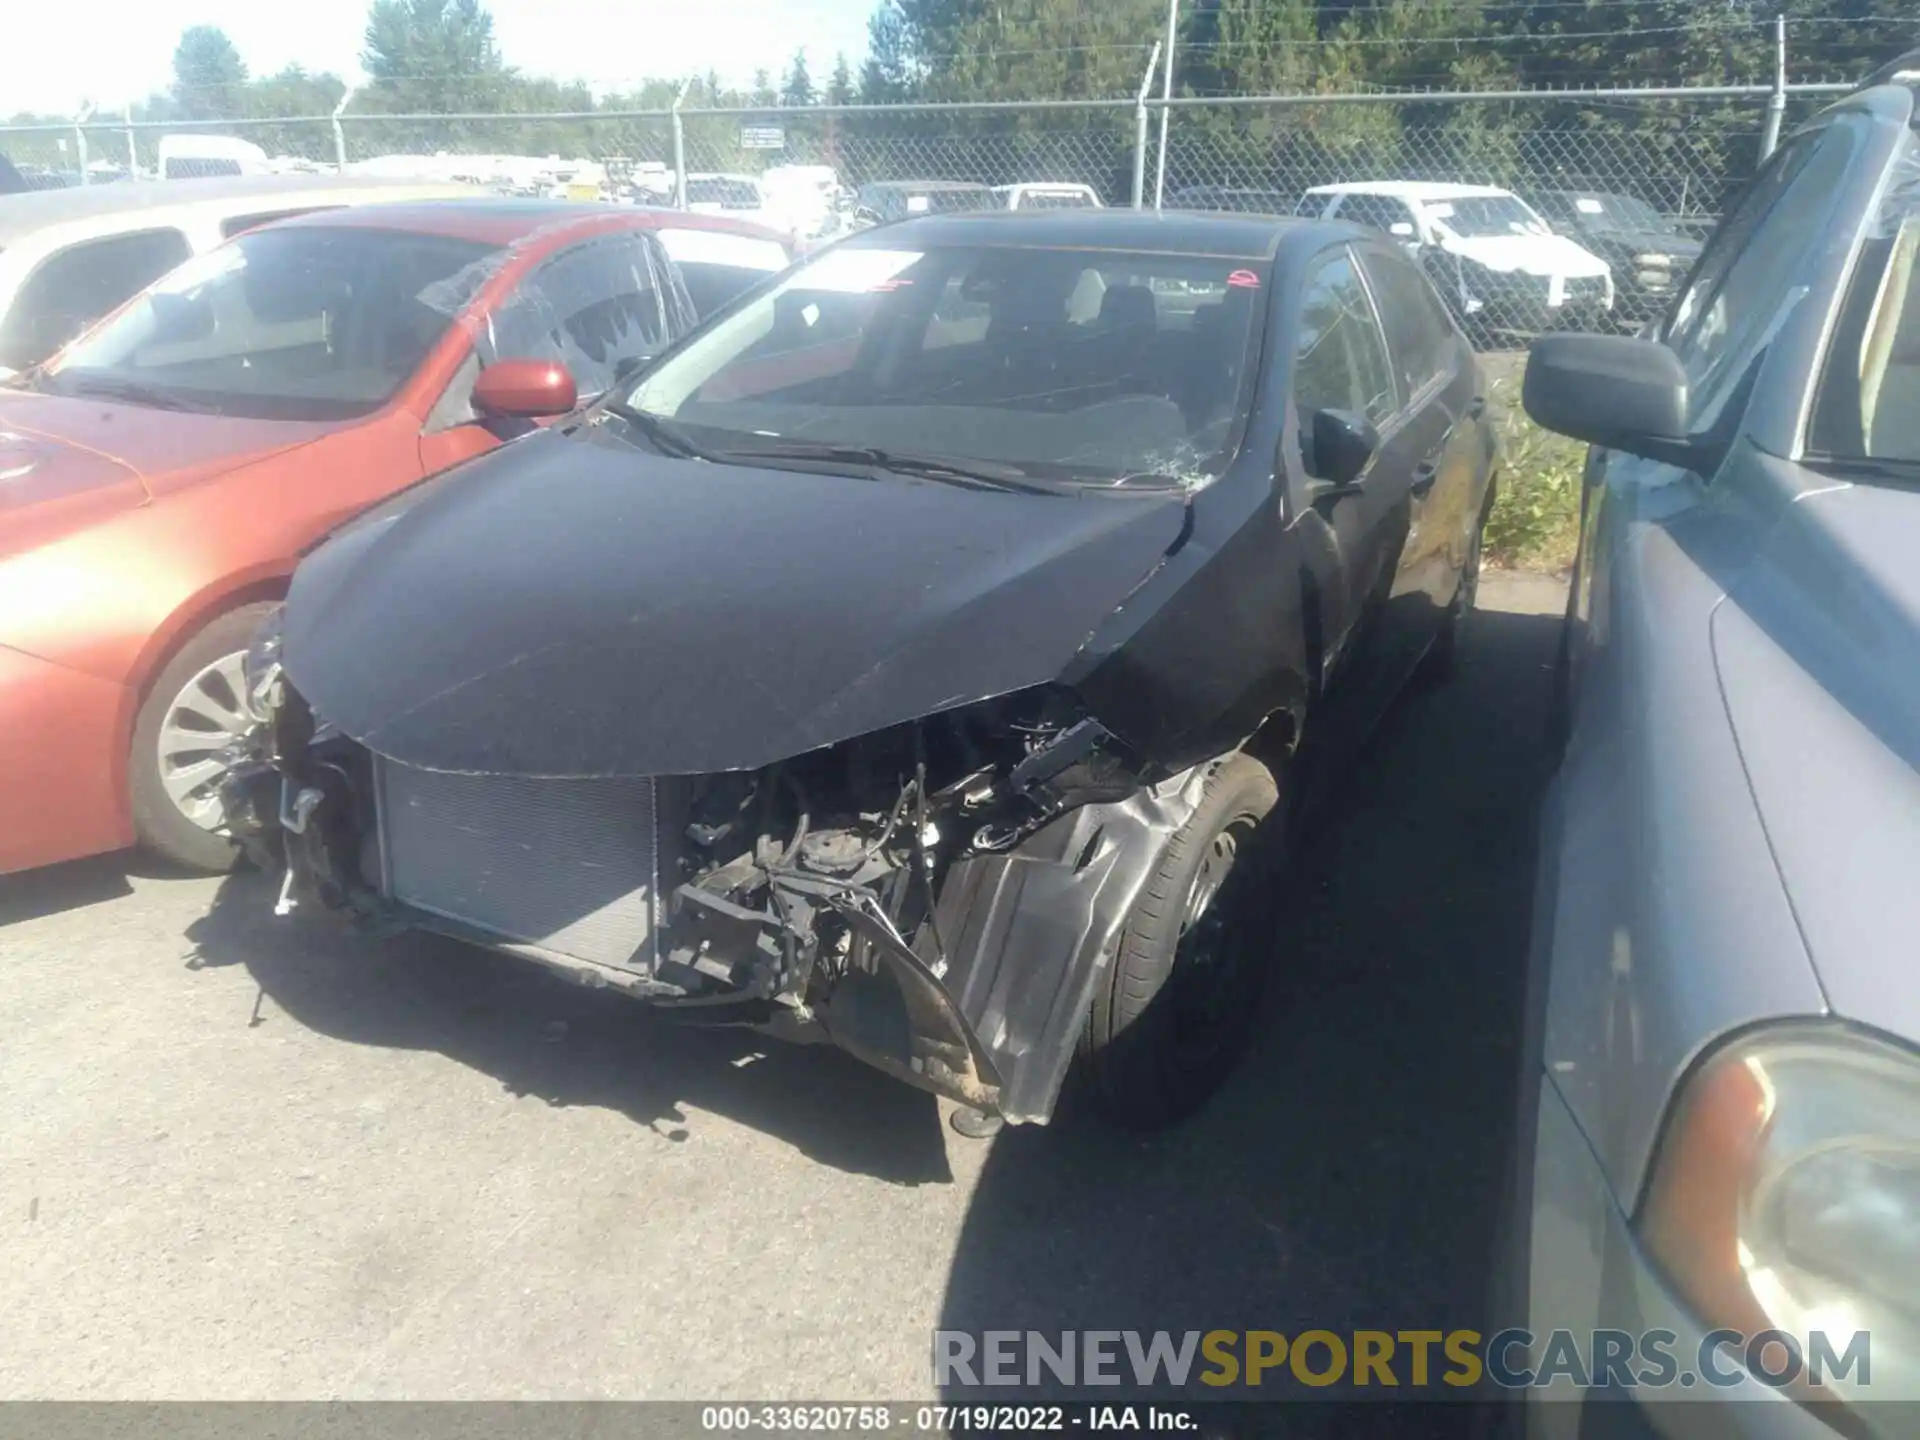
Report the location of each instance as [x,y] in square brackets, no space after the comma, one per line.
[244,1159]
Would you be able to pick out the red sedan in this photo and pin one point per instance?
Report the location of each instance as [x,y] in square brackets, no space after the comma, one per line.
[159,478]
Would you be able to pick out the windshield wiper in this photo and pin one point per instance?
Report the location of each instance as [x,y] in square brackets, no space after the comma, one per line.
[979,474]
[663,435]
[112,387]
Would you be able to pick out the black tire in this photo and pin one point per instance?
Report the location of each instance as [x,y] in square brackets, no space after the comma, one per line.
[1443,659]
[158,822]
[1176,1008]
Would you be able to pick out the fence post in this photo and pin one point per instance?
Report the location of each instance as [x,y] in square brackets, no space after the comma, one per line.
[80,137]
[680,146]
[133,150]
[340,132]
[1777,101]
[1166,93]
[1140,131]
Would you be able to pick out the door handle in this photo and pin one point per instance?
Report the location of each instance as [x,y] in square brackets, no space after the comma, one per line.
[1477,408]
[1424,474]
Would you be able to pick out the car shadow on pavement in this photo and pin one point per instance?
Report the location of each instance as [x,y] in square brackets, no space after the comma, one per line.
[543,1036]
[1351,1173]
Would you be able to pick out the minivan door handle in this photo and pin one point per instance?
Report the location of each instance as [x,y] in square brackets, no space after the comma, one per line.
[1424,474]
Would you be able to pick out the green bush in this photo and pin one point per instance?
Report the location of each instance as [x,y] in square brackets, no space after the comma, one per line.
[1535,523]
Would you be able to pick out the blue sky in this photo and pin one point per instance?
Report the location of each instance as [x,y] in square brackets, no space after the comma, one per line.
[115,51]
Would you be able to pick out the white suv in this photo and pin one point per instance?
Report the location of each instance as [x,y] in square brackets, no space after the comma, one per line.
[1498,265]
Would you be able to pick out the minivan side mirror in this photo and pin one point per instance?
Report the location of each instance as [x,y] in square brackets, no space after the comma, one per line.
[524,390]
[1339,448]
[1616,391]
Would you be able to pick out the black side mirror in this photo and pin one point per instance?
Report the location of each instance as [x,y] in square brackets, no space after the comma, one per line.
[1339,446]
[629,367]
[1616,391]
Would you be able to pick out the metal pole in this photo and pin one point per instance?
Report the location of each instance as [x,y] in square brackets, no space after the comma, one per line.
[680,146]
[1140,131]
[133,150]
[80,138]
[1166,111]
[1777,101]
[340,132]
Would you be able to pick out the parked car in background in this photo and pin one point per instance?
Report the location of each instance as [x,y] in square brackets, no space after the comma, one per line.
[162,475]
[194,156]
[805,201]
[1047,195]
[12,182]
[720,259]
[1649,256]
[915,656]
[68,257]
[1231,201]
[886,200]
[1497,264]
[1721,1128]
[737,196]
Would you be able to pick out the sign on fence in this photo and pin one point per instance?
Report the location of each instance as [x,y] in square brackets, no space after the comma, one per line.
[763,137]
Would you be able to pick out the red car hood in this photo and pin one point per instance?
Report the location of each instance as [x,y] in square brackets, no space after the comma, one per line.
[67,462]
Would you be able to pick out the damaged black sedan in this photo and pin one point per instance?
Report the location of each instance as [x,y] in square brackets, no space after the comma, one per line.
[924,656]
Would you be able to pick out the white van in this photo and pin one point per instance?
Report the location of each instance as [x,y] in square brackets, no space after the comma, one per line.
[200,157]
[71,257]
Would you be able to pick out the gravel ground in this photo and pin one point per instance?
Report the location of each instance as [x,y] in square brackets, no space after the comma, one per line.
[241,1159]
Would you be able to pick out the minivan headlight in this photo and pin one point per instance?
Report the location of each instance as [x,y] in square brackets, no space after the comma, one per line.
[1785,1195]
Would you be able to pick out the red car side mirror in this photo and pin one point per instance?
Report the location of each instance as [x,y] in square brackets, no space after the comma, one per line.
[524,389]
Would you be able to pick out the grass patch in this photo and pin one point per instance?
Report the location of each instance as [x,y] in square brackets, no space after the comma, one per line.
[1535,523]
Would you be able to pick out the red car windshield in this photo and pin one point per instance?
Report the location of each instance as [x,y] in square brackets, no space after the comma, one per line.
[304,323]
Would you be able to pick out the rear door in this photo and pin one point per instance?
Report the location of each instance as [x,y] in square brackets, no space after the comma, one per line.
[1440,393]
[1341,364]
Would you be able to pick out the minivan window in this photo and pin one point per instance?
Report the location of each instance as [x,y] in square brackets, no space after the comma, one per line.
[74,287]
[1868,406]
[1742,289]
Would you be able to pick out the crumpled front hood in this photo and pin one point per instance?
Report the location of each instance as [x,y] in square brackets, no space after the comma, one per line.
[573,605]
[1525,254]
[1815,647]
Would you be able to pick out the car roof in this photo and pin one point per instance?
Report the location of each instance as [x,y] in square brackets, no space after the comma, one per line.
[1169,232]
[151,200]
[502,221]
[1409,189]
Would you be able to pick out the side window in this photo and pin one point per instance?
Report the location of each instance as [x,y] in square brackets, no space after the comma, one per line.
[76,286]
[1340,360]
[1742,288]
[610,299]
[1312,207]
[1419,336]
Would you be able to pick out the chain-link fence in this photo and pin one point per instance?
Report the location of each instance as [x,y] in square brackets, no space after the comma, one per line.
[1660,162]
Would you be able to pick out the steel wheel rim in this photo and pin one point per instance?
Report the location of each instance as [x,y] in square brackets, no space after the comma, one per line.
[208,715]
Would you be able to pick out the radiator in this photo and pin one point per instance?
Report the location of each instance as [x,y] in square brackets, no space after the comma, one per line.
[572,866]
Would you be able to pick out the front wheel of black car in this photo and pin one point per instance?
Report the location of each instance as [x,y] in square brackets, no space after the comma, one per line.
[1173,1013]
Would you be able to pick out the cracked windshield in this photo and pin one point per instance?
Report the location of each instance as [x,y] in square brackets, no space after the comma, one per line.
[1105,367]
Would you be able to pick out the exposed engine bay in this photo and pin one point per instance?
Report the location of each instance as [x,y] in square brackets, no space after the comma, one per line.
[935,897]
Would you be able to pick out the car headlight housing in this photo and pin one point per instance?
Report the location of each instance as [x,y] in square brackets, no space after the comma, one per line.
[260,668]
[1786,1196]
